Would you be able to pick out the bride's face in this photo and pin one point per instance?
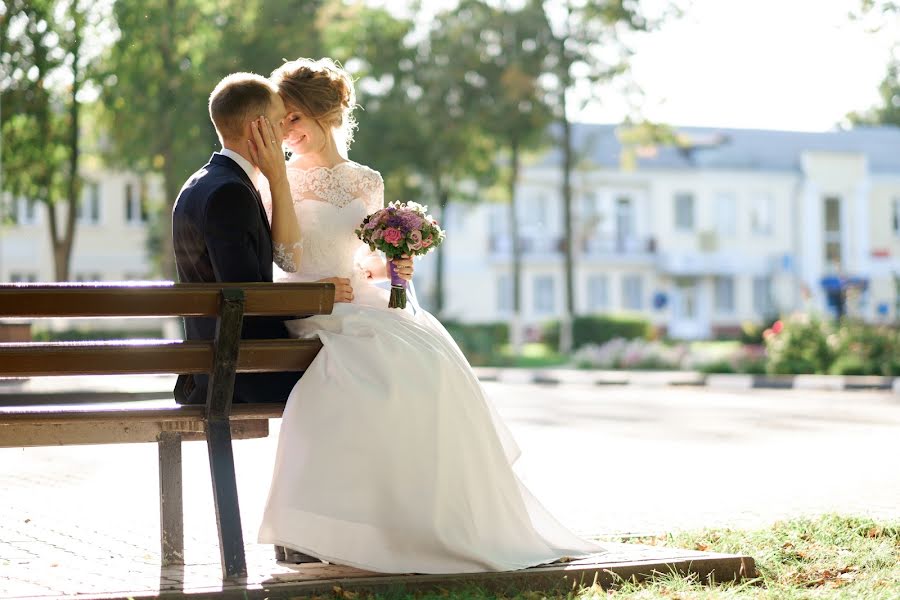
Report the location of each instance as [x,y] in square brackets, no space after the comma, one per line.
[303,135]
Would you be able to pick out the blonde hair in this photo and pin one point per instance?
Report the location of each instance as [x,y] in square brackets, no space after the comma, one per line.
[236,99]
[321,90]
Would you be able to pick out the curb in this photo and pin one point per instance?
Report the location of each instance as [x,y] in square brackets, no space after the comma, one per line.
[88,390]
[687,378]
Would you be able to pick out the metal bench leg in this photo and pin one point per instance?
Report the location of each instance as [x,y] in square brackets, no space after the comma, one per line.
[228,514]
[171,505]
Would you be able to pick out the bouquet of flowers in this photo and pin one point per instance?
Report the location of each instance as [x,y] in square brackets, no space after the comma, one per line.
[401,228]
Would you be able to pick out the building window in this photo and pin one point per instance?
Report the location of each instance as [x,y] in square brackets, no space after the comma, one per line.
[544,294]
[135,206]
[16,277]
[684,212]
[726,214]
[724,295]
[598,293]
[633,292]
[505,293]
[832,237]
[762,296]
[897,216]
[762,214]
[89,207]
[625,226]
[23,212]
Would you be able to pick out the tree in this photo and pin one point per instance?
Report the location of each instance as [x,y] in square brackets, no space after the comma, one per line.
[503,82]
[157,77]
[587,46]
[887,112]
[415,126]
[48,64]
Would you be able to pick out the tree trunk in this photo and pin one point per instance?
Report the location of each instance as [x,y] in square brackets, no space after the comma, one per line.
[565,325]
[171,183]
[515,326]
[443,196]
[171,187]
[62,247]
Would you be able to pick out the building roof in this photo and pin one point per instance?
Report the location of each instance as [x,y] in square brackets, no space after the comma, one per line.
[740,149]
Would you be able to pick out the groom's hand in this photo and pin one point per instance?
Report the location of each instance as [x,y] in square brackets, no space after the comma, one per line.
[342,290]
[266,151]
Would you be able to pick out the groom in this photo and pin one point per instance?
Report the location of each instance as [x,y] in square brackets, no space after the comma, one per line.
[219,226]
[221,233]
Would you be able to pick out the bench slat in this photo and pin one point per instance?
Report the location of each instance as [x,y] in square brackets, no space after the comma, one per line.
[141,299]
[192,413]
[24,435]
[149,357]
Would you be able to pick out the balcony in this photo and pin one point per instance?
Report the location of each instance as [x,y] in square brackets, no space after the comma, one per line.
[592,249]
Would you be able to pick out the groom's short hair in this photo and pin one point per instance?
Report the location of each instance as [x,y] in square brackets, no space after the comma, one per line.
[236,99]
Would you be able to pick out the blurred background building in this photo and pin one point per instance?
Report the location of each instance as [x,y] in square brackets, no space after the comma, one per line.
[732,226]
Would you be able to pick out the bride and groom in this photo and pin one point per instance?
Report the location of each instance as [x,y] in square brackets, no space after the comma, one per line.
[390,458]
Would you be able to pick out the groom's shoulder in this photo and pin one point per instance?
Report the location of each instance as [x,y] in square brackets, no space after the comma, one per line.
[212,179]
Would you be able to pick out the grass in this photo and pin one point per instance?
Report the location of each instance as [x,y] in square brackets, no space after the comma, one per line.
[534,355]
[830,557]
[827,558]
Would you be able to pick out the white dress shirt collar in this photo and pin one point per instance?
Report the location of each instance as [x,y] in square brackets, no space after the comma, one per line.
[242,162]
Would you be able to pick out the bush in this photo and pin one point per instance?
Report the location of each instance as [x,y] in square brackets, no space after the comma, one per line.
[89,335]
[719,366]
[800,344]
[804,344]
[752,333]
[635,354]
[866,350]
[481,343]
[599,329]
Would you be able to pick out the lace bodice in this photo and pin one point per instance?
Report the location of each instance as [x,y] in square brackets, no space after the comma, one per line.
[330,203]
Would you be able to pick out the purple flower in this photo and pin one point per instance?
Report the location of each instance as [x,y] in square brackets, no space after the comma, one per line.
[412,221]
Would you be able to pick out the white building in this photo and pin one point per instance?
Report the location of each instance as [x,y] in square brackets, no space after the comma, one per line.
[110,235]
[735,227]
[110,242]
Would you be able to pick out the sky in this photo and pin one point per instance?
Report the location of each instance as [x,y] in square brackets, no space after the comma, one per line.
[770,64]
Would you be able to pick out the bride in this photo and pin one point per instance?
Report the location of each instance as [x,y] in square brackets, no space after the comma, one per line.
[390,457]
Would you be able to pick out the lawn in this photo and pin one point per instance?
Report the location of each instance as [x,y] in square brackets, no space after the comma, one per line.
[829,558]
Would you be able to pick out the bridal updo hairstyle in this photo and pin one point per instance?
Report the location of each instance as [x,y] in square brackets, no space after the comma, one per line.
[320,90]
[237,99]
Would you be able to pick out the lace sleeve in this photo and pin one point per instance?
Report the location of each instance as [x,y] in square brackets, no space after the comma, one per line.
[282,254]
[374,193]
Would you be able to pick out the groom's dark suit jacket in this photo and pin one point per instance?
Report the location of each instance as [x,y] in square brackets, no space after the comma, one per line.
[221,234]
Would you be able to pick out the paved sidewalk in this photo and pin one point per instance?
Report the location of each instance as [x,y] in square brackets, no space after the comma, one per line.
[606,460]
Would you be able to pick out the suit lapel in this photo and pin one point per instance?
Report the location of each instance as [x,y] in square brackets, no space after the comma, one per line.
[224,161]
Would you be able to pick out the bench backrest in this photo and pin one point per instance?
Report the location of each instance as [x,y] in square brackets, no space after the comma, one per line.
[221,357]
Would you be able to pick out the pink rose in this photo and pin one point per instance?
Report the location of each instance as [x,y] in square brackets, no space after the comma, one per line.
[392,236]
[377,234]
[427,241]
[415,240]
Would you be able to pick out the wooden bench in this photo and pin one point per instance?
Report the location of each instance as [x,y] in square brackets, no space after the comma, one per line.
[217,422]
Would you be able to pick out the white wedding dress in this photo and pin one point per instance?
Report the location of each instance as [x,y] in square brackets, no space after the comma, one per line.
[390,458]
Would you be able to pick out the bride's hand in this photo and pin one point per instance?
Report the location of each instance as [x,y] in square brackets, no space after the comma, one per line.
[266,151]
[404,267]
[343,292]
